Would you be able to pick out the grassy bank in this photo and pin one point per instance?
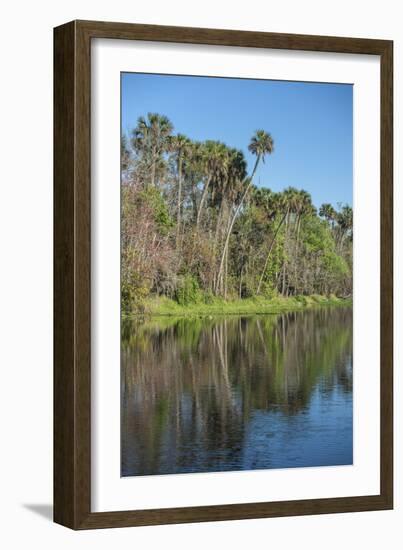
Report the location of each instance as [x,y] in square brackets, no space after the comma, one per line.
[218,306]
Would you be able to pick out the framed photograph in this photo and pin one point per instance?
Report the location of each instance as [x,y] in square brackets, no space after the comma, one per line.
[222,275]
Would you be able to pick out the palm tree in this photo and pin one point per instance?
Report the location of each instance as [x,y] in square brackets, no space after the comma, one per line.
[328,212]
[283,207]
[180,145]
[266,200]
[150,138]
[226,193]
[261,144]
[192,173]
[213,159]
[125,160]
[292,200]
[345,218]
[304,207]
[345,222]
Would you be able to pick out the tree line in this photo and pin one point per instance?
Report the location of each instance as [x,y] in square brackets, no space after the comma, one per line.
[195,226]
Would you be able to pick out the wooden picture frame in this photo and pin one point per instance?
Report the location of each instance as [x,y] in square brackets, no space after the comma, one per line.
[72,270]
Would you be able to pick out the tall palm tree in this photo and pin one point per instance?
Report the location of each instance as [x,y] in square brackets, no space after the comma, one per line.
[226,193]
[214,162]
[304,206]
[283,208]
[192,172]
[345,222]
[180,145]
[345,218]
[292,200]
[261,144]
[150,138]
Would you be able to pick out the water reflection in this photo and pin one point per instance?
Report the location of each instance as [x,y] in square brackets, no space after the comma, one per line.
[237,393]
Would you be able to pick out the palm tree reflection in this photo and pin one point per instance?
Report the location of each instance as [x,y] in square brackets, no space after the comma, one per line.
[192,387]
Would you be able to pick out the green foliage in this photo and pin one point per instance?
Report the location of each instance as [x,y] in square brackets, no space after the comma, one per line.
[303,300]
[268,290]
[334,264]
[133,293]
[208,297]
[154,199]
[188,291]
[166,307]
[195,229]
[316,236]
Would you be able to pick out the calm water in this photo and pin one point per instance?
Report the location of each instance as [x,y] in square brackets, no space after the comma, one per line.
[237,393]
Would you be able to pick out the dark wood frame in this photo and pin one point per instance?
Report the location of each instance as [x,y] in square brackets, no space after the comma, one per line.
[72,319]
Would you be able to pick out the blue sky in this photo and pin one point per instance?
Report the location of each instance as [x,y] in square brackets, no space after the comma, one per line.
[311,124]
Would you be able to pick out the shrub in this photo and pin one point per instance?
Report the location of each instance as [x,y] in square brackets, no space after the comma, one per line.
[133,293]
[303,300]
[188,291]
[268,290]
[208,297]
[154,199]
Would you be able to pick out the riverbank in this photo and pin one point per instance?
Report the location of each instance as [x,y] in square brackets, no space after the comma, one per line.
[217,306]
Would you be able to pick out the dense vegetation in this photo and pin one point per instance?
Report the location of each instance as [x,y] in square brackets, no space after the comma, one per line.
[196,228]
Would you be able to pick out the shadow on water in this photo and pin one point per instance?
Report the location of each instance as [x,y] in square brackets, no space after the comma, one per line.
[237,393]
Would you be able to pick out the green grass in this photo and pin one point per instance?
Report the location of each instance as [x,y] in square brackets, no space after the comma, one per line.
[218,306]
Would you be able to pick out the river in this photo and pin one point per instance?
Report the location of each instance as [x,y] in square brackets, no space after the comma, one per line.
[237,392]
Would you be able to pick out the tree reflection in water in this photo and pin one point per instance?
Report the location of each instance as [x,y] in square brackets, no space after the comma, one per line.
[237,393]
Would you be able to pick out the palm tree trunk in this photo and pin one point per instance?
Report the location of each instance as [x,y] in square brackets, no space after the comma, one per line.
[153,168]
[269,252]
[238,209]
[178,222]
[296,252]
[219,231]
[226,276]
[194,202]
[285,261]
[240,283]
[202,200]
